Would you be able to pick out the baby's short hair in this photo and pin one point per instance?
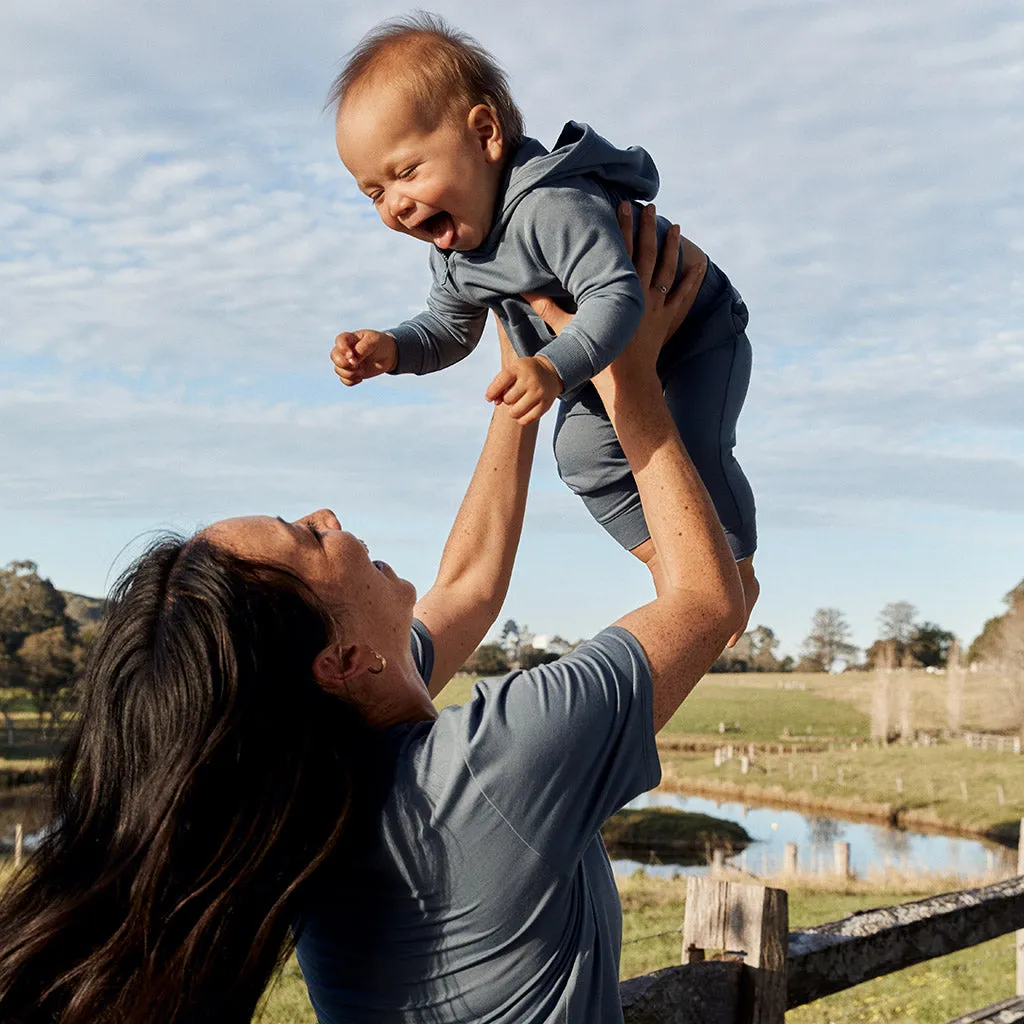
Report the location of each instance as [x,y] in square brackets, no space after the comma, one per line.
[439,65]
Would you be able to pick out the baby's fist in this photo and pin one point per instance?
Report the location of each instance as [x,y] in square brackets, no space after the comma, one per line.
[528,385]
[360,354]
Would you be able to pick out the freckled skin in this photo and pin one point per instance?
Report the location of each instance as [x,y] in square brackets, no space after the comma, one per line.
[372,608]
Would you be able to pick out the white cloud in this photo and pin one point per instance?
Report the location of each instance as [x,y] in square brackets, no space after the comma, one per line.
[178,244]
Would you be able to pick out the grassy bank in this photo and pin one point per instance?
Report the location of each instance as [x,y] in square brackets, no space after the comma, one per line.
[948,787]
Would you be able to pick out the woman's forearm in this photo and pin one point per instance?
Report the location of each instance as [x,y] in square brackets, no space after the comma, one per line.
[478,557]
[682,520]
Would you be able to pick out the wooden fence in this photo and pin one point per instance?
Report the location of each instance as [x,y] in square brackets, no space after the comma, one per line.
[761,969]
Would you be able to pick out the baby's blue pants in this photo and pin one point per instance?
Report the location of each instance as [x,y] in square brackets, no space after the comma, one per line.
[704,369]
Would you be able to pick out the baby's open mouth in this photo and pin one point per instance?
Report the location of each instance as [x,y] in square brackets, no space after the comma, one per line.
[441,229]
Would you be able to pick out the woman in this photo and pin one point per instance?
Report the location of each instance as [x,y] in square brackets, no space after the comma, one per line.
[257,753]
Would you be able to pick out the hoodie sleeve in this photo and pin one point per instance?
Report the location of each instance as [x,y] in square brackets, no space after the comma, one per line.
[573,230]
[445,332]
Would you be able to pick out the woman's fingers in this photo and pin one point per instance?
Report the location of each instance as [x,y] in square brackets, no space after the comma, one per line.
[625,217]
[668,261]
[646,248]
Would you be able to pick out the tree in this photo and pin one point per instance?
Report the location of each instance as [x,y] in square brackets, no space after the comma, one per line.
[827,641]
[559,645]
[510,640]
[764,643]
[530,657]
[39,648]
[1009,653]
[930,645]
[487,660]
[986,645]
[28,604]
[49,660]
[736,658]
[896,624]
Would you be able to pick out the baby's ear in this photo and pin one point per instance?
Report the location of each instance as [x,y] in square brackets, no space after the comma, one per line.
[485,127]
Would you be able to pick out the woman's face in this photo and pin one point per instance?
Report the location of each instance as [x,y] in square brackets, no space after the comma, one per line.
[366,598]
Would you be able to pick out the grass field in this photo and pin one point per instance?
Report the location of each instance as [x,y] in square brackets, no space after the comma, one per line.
[931,780]
[811,712]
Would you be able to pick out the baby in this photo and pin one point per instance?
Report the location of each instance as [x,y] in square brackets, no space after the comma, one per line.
[428,128]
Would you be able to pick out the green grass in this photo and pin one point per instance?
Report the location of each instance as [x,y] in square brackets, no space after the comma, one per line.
[653,909]
[930,776]
[762,713]
[930,993]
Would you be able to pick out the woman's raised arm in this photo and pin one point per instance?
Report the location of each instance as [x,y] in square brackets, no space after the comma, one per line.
[699,601]
[476,566]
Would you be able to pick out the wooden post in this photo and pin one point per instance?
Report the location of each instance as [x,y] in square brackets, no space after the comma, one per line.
[841,855]
[789,861]
[749,921]
[718,757]
[744,764]
[717,861]
[750,751]
[899,784]
[19,843]
[1020,933]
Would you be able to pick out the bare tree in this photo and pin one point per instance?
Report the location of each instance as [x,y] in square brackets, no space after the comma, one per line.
[884,663]
[956,675]
[828,639]
[897,622]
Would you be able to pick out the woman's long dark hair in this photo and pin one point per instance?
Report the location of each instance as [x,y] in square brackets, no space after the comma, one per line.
[206,779]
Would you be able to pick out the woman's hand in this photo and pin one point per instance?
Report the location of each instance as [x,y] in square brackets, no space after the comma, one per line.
[665,305]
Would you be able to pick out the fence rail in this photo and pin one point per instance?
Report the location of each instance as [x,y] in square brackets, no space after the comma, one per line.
[761,969]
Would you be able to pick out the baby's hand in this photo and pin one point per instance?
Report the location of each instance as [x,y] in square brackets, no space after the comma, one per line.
[528,385]
[360,354]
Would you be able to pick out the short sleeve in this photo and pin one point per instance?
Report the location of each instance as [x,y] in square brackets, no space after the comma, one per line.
[421,643]
[558,749]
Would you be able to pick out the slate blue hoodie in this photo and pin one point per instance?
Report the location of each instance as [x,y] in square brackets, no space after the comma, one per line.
[555,232]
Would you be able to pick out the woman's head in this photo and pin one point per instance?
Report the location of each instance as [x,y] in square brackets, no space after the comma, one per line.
[207,776]
[369,606]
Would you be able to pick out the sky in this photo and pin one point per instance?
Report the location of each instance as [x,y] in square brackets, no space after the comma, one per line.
[179,245]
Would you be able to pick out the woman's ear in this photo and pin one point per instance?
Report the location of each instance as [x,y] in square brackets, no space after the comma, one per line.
[483,123]
[337,664]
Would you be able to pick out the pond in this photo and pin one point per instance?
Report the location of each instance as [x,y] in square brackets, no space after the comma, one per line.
[873,847]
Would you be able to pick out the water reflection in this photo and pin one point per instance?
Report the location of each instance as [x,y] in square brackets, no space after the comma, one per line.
[873,848]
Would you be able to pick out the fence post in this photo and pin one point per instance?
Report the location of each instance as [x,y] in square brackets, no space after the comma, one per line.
[19,843]
[750,921]
[1020,932]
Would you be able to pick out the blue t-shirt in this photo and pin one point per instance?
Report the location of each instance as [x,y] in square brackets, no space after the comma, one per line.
[485,894]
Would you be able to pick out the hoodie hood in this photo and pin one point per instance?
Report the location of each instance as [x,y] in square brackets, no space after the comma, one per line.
[579,151]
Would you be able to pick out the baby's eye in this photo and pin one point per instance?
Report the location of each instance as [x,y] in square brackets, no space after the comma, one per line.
[408,172]
[375,197]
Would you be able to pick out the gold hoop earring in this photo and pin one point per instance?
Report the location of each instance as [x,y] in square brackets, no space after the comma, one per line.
[382,663]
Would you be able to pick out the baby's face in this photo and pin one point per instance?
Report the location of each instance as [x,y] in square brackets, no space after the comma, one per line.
[436,183]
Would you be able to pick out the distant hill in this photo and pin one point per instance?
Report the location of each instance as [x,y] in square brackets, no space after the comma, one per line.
[83,610]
